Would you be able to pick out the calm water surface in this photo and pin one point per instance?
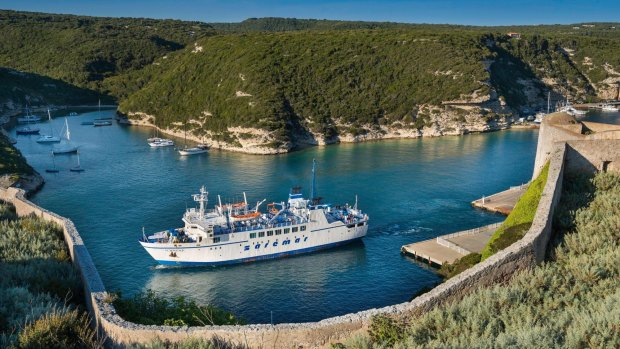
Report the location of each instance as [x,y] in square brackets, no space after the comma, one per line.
[412,190]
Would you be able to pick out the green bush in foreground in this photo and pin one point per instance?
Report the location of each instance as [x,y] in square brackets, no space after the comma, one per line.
[572,300]
[520,219]
[39,288]
[147,308]
[60,329]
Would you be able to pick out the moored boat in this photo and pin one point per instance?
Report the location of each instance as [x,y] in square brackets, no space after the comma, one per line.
[27,130]
[609,108]
[67,147]
[49,138]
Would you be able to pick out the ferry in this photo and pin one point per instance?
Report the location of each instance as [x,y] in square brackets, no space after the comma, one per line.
[237,233]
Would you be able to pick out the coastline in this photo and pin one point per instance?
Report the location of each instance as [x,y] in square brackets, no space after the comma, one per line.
[255,146]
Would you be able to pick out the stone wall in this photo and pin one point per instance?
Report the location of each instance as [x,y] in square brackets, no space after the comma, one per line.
[500,267]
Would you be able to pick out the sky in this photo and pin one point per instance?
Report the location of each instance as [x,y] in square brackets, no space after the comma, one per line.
[474,12]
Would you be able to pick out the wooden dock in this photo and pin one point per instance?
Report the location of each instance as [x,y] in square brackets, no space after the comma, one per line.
[448,248]
[502,202]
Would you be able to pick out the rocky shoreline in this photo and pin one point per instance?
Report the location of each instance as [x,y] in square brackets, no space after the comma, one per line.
[256,141]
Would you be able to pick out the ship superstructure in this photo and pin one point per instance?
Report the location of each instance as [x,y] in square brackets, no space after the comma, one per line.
[237,232]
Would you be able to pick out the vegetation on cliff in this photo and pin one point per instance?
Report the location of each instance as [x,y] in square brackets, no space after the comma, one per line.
[301,81]
[13,163]
[570,301]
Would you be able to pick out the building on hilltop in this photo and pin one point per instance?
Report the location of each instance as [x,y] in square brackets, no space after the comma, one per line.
[514,35]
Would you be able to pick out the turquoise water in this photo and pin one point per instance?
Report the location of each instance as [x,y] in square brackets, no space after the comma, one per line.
[412,190]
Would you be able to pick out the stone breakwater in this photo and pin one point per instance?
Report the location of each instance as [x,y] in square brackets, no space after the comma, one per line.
[498,268]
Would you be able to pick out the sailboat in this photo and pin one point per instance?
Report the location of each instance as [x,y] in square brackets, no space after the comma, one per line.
[99,121]
[193,150]
[29,118]
[49,138]
[66,148]
[53,169]
[77,168]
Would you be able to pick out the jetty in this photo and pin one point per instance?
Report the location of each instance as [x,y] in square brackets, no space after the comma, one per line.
[450,247]
[502,202]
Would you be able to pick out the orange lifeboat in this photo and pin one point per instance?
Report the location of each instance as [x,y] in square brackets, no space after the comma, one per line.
[245,217]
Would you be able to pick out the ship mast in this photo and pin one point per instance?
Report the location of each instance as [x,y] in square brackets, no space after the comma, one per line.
[313,190]
[202,198]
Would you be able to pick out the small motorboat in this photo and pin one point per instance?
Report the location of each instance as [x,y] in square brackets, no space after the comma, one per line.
[98,123]
[27,130]
[161,142]
[73,113]
[609,108]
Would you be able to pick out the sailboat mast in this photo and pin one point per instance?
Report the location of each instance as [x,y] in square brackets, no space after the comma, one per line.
[68,133]
[548,101]
[49,117]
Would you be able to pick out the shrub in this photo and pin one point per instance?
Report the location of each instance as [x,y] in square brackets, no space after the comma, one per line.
[191,343]
[385,330]
[150,309]
[60,329]
[449,270]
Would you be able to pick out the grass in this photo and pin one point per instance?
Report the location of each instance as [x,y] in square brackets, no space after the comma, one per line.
[520,219]
[449,270]
[572,300]
[40,291]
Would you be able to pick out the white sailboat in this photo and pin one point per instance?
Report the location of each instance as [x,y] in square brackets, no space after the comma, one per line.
[77,168]
[49,138]
[53,169]
[29,118]
[185,151]
[67,147]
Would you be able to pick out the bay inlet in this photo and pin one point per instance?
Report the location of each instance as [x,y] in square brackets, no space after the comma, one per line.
[412,190]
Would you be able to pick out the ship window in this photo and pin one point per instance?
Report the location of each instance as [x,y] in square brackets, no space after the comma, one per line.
[278,231]
[261,234]
[287,230]
[360,224]
[295,229]
[252,235]
[302,228]
[270,233]
[216,240]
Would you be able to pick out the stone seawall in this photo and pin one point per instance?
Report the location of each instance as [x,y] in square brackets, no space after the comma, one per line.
[500,267]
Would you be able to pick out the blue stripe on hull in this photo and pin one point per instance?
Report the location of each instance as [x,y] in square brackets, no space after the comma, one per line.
[260,258]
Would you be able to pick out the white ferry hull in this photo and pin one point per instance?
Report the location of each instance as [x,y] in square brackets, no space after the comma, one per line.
[241,249]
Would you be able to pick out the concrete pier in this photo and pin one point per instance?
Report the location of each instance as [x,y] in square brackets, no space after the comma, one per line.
[502,202]
[448,248]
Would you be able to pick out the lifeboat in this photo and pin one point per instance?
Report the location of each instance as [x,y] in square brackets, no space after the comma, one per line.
[245,217]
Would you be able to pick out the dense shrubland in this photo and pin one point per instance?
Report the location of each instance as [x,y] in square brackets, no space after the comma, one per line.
[40,291]
[572,300]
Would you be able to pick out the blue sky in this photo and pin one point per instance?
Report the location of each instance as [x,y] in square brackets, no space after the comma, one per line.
[477,12]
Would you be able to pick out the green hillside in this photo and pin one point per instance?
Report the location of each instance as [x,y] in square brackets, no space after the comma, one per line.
[319,79]
[300,80]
